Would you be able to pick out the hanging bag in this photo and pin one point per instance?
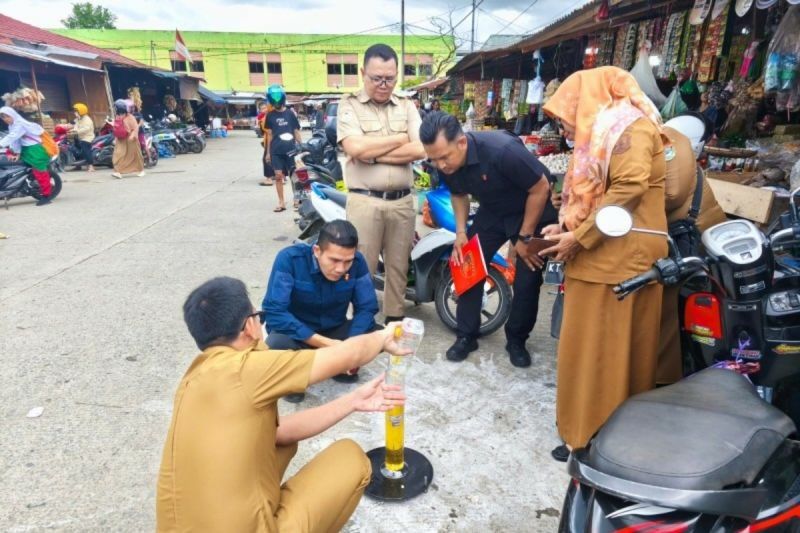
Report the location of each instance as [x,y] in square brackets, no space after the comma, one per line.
[120,131]
[684,232]
[49,144]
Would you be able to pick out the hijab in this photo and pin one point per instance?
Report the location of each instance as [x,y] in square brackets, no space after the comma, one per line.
[599,104]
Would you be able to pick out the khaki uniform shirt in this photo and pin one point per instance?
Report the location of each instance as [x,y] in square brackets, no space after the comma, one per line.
[635,182]
[219,469]
[358,115]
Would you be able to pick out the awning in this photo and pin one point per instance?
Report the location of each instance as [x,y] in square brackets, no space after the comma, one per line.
[35,55]
[211,96]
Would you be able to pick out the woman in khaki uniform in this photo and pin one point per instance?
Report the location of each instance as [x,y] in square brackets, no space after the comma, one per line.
[609,351]
[681,179]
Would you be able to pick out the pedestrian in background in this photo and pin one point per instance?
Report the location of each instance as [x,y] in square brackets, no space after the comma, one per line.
[127,157]
[379,132]
[261,120]
[84,129]
[283,134]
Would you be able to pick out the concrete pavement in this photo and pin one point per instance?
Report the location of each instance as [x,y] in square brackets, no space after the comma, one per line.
[90,320]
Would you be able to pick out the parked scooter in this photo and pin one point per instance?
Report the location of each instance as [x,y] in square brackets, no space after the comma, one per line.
[70,156]
[708,454]
[17,181]
[429,278]
[315,161]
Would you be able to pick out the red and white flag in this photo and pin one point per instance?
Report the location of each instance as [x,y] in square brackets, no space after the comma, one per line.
[180,47]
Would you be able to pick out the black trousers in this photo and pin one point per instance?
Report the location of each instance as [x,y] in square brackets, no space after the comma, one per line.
[279,341]
[525,303]
[86,151]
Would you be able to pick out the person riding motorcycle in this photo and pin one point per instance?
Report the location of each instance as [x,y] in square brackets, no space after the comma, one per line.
[84,130]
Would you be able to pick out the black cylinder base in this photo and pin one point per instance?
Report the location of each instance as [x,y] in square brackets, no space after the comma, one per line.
[417,475]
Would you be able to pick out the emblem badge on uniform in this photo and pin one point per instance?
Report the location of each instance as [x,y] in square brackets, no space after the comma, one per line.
[669,153]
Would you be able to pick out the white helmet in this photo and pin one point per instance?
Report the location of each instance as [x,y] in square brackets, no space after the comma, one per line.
[692,126]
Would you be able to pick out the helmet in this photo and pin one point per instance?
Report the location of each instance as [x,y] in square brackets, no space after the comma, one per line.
[694,126]
[276,95]
[121,106]
[172,117]
[80,108]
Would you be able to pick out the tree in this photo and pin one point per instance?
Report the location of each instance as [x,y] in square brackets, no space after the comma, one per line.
[447,33]
[85,15]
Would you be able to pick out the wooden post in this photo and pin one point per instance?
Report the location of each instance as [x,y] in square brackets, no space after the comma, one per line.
[36,91]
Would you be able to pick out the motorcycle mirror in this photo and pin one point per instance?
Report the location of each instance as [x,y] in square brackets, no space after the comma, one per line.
[613,221]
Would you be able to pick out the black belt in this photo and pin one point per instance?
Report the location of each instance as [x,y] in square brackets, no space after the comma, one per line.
[384,195]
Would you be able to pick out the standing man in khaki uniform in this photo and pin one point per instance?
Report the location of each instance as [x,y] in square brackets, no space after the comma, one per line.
[379,132]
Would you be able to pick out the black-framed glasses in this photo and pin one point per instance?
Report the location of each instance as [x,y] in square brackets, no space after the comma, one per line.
[383,80]
[259,314]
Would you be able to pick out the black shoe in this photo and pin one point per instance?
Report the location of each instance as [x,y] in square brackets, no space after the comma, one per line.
[345,378]
[520,356]
[295,397]
[44,200]
[392,319]
[461,349]
[560,453]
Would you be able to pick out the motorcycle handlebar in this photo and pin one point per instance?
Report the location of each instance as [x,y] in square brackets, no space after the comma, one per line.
[788,234]
[635,283]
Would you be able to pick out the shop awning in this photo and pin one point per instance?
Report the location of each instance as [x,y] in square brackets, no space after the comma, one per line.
[211,96]
[37,55]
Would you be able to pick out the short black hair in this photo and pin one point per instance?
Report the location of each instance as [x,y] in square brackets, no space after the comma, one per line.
[383,51]
[439,121]
[216,311]
[339,232]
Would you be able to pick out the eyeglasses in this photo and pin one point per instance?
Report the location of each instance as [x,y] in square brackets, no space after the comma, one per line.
[382,80]
[259,314]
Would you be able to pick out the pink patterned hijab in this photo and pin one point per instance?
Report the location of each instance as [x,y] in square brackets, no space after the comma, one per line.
[599,104]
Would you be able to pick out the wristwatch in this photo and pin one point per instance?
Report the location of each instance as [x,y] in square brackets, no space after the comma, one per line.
[526,238]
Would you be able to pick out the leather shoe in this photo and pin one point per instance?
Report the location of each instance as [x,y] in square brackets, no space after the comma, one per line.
[392,319]
[520,357]
[295,397]
[461,349]
[560,453]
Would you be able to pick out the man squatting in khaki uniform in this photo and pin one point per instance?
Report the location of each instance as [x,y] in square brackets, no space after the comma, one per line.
[228,447]
[379,132]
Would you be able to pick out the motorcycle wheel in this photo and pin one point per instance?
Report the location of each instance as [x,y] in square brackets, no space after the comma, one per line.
[151,159]
[55,183]
[196,147]
[496,305]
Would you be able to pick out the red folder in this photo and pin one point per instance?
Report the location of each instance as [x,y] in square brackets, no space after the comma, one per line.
[472,269]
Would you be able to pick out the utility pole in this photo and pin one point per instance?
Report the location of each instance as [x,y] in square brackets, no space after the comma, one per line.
[152,54]
[472,40]
[402,66]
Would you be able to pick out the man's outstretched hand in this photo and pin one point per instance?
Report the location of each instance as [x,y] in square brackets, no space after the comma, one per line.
[377,396]
[390,339]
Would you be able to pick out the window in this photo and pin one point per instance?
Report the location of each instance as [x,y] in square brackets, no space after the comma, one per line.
[350,64]
[197,66]
[410,70]
[274,69]
[350,69]
[177,63]
[425,69]
[255,65]
[335,69]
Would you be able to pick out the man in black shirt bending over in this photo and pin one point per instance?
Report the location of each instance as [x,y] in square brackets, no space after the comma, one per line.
[513,189]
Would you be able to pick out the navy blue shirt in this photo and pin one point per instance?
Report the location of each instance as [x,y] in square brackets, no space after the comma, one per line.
[300,301]
[283,125]
[498,172]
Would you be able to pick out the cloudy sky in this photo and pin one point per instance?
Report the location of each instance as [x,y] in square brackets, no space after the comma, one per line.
[308,16]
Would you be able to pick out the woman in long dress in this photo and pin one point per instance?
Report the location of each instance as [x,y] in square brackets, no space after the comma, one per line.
[127,157]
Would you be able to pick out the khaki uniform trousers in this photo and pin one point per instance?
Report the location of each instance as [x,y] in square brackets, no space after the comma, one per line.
[385,226]
[322,496]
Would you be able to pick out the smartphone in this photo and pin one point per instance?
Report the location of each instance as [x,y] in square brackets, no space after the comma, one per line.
[558,186]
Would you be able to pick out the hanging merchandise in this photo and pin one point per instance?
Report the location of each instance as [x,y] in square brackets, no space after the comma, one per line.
[136,96]
[619,40]
[717,98]
[744,112]
[670,53]
[712,45]
[629,49]
[783,62]
[742,7]
[749,55]
[700,11]
[643,73]
[719,5]
[535,91]
[765,4]
[24,99]
[674,105]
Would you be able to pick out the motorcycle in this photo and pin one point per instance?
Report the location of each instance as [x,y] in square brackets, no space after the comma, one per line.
[149,148]
[17,181]
[315,161]
[70,156]
[429,278]
[717,451]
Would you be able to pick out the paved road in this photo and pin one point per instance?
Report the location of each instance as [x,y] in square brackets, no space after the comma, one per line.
[90,322]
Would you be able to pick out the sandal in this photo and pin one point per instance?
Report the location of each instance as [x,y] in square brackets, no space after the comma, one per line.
[279,209]
[266,183]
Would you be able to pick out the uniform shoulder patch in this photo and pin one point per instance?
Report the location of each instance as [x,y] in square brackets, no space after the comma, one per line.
[623,144]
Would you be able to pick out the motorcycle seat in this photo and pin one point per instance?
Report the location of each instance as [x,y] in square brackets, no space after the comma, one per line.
[706,432]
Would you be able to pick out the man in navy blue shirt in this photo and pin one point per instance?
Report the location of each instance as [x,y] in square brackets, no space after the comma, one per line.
[513,189]
[311,288]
